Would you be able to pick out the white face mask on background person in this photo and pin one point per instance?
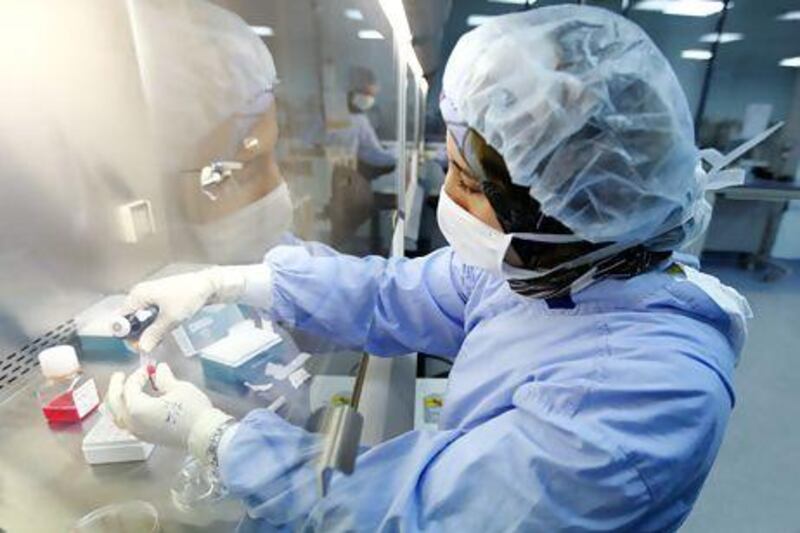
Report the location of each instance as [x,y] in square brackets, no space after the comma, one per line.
[247,234]
[362,101]
[478,244]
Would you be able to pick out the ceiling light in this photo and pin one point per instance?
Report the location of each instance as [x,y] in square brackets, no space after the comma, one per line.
[651,5]
[516,2]
[721,38]
[698,55]
[693,8]
[263,31]
[353,14]
[790,15]
[370,34]
[396,15]
[477,20]
[790,62]
[686,8]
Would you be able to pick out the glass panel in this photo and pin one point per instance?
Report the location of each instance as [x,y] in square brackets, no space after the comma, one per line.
[360,97]
[414,195]
[231,131]
[195,117]
[338,115]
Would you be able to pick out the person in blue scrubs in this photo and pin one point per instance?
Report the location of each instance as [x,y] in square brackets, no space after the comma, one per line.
[373,159]
[592,375]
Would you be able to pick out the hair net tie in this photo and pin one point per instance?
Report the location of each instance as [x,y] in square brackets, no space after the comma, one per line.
[719,176]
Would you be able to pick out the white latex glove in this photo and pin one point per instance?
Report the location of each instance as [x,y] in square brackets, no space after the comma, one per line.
[182,416]
[179,297]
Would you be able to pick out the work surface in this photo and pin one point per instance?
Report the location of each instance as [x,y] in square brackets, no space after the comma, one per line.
[46,485]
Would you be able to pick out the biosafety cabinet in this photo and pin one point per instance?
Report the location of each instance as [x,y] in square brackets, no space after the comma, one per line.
[134,135]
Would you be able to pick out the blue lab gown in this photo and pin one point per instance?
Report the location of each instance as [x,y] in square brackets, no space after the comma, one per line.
[361,134]
[602,417]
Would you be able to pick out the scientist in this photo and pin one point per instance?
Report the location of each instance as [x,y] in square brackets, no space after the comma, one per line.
[593,368]
[373,159]
[210,85]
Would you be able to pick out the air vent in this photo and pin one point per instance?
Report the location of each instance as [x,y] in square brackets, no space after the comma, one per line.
[16,366]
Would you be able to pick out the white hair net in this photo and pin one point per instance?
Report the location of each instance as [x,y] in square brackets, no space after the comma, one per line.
[207,78]
[588,114]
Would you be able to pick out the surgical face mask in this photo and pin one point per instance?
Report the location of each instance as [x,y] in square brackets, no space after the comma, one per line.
[245,235]
[480,245]
[474,242]
[364,102]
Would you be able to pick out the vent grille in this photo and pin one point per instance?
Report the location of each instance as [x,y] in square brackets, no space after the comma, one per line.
[16,365]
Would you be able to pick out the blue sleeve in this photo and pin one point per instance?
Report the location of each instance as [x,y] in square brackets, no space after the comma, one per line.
[383,306]
[518,471]
[369,147]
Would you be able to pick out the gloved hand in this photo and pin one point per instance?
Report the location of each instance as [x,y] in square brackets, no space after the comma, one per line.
[182,416]
[180,297]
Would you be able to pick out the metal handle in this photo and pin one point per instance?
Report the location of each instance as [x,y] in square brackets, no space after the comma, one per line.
[341,427]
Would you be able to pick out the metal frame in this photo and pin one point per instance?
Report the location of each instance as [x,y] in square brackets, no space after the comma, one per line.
[388,389]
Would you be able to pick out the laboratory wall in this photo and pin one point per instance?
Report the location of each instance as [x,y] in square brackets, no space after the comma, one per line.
[754,83]
[787,239]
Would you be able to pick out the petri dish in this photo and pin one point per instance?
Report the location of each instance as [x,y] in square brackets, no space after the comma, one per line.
[124,517]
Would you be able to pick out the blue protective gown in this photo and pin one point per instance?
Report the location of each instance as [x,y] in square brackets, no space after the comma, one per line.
[602,417]
[361,135]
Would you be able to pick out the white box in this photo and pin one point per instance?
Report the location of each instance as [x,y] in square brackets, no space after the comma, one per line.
[106,443]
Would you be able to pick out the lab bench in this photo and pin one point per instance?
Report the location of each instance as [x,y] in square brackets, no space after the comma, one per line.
[747,219]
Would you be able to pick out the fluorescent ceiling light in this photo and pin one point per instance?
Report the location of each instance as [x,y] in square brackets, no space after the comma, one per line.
[790,15]
[651,5]
[693,8]
[353,14]
[516,2]
[686,8]
[370,35]
[699,55]
[790,62]
[477,20]
[263,31]
[396,15]
[721,38]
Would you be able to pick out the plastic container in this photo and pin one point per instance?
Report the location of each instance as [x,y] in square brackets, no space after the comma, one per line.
[95,332]
[124,517]
[106,443]
[196,485]
[68,395]
[98,347]
[208,326]
[241,355]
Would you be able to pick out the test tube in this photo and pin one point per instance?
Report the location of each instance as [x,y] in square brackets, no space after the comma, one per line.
[149,363]
[131,327]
